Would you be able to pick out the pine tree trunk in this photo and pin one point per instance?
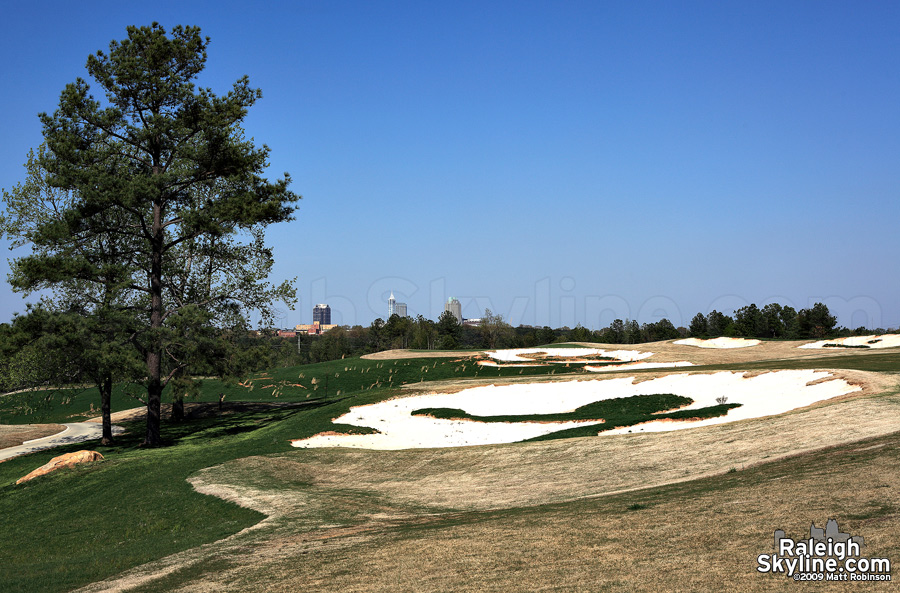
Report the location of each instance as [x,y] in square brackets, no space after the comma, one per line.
[177,407]
[154,397]
[154,353]
[106,410]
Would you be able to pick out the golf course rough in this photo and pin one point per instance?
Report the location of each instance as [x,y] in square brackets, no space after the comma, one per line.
[722,342]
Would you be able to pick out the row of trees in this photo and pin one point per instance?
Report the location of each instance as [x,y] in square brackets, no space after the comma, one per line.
[773,321]
[34,343]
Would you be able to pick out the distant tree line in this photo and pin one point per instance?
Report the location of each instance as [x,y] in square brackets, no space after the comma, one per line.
[774,321]
[26,351]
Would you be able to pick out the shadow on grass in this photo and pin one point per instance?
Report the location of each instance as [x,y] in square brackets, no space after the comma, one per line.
[211,422]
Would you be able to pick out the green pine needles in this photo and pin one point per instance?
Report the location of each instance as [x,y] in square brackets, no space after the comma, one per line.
[161,229]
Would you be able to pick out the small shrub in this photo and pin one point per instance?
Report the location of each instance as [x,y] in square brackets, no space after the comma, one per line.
[722,399]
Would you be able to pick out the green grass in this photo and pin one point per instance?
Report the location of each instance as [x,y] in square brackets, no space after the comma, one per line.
[870,361]
[292,384]
[61,405]
[624,421]
[85,524]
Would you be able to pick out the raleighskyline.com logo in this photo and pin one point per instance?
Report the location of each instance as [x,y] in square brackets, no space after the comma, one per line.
[826,555]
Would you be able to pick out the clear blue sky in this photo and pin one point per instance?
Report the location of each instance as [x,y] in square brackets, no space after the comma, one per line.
[557,162]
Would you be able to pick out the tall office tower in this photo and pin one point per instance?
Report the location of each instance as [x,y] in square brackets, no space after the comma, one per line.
[455,308]
[395,308]
[322,314]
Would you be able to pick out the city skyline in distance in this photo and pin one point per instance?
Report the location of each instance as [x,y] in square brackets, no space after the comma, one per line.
[560,305]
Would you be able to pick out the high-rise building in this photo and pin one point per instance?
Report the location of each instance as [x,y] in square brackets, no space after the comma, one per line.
[455,309]
[395,308]
[322,314]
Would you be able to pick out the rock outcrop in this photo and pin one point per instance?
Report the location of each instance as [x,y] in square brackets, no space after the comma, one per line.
[67,460]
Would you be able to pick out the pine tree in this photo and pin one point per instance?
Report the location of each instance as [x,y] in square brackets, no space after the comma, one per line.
[162,169]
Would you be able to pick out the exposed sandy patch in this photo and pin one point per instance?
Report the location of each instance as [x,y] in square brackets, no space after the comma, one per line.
[637,365]
[75,432]
[722,342]
[533,357]
[882,341]
[128,415]
[404,354]
[49,388]
[12,435]
[522,354]
[763,395]
[767,350]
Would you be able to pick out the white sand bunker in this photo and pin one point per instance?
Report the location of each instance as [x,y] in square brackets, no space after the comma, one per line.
[722,342]
[882,341]
[763,395]
[530,354]
[637,365]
